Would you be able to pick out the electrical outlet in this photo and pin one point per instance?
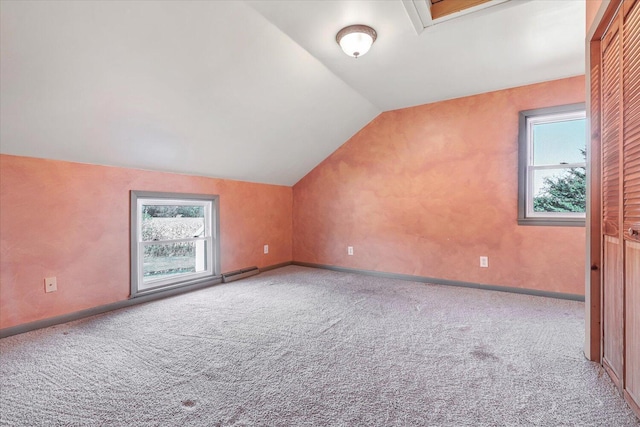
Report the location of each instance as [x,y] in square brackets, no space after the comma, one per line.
[266,249]
[50,284]
[484,261]
[349,250]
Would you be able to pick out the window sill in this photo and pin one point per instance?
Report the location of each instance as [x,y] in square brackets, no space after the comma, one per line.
[180,287]
[553,222]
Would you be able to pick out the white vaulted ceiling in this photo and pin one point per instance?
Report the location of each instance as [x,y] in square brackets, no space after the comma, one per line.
[256,91]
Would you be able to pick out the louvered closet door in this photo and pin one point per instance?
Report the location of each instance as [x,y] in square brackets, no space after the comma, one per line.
[612,294]
[611,129]
[631,186]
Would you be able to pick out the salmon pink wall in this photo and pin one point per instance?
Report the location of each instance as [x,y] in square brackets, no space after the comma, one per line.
[592,7]
[71,221]
[428,190]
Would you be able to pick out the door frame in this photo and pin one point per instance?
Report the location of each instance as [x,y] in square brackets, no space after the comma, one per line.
[593,346]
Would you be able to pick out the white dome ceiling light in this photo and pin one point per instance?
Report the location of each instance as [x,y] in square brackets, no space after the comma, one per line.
[356,40]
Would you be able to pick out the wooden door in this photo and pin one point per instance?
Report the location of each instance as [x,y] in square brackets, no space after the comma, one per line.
[615,85]
[631,189]
[632,323]
[612,280]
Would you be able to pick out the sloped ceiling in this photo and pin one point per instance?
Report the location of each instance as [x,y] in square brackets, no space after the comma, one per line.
[256,91]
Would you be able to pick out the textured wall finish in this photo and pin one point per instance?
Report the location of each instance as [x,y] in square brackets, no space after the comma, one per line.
[71,220]
[592,7]
[428,190]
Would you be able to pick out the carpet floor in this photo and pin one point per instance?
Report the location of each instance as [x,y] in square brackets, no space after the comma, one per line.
[307,347]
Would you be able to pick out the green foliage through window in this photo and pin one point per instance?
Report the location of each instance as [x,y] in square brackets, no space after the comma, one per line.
[566,193]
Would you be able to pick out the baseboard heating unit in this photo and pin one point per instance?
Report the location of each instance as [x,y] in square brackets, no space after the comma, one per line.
[239,274]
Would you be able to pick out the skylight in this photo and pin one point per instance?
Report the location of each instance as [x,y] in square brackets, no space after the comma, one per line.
[425,13]
[440,8]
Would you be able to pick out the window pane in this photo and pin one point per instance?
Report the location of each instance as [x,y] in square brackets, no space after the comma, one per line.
[172,259]
[169,222]
[559,142]
[559,190]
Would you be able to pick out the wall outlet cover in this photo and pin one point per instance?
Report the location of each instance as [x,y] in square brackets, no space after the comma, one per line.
[50,284]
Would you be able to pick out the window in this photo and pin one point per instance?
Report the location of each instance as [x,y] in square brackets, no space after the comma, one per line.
[552,166]
[174,240]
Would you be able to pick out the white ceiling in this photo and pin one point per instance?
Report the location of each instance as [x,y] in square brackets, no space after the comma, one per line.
[515,43]
[256,91]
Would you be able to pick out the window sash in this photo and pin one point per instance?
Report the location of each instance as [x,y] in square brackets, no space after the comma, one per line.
[531,170]
[142,244]
[208,229]
[163,281]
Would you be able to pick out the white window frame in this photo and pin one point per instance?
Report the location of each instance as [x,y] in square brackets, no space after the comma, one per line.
[529,118]
[209,241]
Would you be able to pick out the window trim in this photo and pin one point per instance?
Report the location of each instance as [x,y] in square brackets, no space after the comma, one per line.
[213,220]
[525,184]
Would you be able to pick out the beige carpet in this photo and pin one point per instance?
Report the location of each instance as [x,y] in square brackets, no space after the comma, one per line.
[307,347]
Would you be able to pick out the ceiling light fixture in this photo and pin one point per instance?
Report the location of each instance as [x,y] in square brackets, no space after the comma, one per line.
[356,40]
